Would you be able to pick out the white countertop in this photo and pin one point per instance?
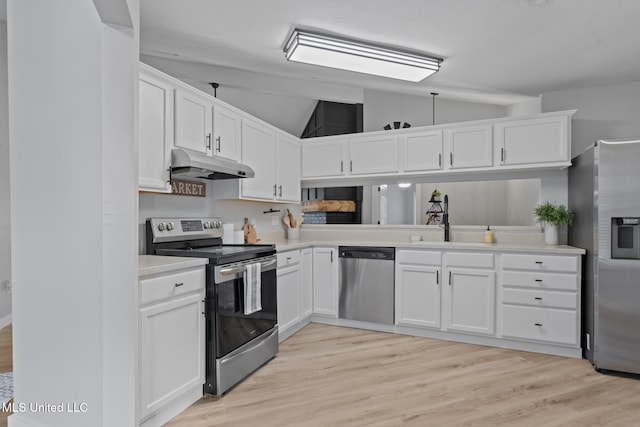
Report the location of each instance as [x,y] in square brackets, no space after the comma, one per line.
[154,264]
[285,245]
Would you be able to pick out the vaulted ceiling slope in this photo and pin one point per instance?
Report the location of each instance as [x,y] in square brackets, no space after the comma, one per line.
[495,51]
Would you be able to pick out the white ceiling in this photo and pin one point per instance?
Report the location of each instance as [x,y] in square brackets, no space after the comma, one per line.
[495,51]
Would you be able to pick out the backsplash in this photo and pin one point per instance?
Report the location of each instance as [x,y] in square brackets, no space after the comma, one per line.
[230,211]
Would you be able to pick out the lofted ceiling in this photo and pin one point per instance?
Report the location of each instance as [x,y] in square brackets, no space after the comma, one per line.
[495,51]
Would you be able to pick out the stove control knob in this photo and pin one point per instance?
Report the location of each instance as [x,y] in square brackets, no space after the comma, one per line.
[170,226]
[206,225]
[218,224]
[162,226]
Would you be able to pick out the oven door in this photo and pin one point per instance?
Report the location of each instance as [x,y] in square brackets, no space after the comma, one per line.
[233,328]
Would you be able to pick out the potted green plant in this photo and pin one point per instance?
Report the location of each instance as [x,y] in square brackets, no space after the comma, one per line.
[552,216]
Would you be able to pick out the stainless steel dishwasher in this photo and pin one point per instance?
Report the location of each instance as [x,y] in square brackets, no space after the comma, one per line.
[367,284]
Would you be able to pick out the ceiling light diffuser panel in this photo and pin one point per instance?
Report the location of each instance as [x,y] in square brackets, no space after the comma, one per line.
[351,55]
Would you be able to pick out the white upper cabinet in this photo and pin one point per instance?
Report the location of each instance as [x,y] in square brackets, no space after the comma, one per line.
[287,169]
[422,151]
[259,152]
[324,159]
[469,146]
[204,125]
[373,155]
[275,159]
[534,141]
[227,127]
[156,132]
[193,125]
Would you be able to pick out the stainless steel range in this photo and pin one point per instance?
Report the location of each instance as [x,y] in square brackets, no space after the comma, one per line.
[241,327]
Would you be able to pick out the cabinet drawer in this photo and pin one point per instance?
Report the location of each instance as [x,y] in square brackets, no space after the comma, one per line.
[419,257]
[544,299]
[541,324]
[529,279]
[540,262]
[171,285]
[470,260]
[288,258]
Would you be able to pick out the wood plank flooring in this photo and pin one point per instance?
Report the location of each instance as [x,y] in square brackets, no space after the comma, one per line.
[6,361]
[333,376]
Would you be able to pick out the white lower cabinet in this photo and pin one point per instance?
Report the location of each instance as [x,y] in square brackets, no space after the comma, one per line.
[325,281]
[289,293]
[171,366]
[418,283]
[469,292]
[540,298]
[306,256]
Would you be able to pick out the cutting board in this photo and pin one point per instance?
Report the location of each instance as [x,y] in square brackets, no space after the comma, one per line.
[250,235]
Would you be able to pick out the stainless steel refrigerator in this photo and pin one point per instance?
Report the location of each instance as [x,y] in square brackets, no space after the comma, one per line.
[604,192]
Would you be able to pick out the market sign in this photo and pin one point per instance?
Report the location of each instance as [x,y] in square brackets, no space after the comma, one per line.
[188,188]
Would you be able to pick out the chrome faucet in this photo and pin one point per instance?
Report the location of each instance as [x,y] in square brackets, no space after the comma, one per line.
[445,218]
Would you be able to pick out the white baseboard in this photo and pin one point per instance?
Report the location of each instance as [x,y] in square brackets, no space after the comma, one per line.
[5,321]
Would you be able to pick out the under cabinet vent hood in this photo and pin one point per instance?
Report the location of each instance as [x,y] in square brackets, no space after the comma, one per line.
[187,164]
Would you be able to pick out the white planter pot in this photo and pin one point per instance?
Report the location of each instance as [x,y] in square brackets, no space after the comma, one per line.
[551,234]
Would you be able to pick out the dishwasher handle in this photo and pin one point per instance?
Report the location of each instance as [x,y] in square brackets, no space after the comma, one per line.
[367,252]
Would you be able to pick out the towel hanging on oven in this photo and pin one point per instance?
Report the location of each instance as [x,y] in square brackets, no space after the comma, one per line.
[252,288]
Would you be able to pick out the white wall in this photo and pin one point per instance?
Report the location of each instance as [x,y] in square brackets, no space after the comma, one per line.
[5,218]
[73,193]
[603,112]
[381,108]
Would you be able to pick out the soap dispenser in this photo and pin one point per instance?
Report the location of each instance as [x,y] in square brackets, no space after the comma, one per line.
[488,235]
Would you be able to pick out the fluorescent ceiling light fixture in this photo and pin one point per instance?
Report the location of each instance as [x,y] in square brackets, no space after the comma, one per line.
[352,55]
[404,185]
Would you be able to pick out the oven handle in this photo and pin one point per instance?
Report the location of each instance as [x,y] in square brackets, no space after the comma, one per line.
[233,270]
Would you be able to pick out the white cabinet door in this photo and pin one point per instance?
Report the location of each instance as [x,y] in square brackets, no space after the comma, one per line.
[469,147]
[418,296]
[193,122]
[289,297]
[374,154]
[325,281]
[171,350]
[259,152]
[307,282]
[156,133]
[288,169]
[422,151]
[324,158]
[469,300]
[227,127]
[539,140]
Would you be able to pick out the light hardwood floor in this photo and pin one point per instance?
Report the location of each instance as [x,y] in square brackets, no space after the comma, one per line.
[333,376]
[6,361]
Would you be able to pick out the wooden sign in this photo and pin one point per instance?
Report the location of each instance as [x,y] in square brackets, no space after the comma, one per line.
[188,188]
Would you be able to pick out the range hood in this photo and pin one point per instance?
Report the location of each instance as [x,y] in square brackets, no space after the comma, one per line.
[187,164]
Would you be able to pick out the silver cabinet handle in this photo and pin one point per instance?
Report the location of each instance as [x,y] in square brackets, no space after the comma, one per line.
[280,191]
[502,154]
[331,257]
[350,165]
[218,140]
[437,277]
[537,298]
[440,159]
[539,262]
[538,324]
[538,280]
[177,285]
[208,143]
[449,278]
[450,159]
[341,166]
[274,190]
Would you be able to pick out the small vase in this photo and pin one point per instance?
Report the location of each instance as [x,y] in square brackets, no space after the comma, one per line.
[551,234]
